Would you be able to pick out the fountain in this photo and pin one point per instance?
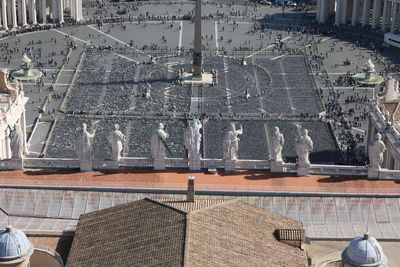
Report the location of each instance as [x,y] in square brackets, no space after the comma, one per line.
[26,73]
[369,76]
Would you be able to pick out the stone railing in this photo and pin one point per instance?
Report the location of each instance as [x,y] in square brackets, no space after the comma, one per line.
[62,163]
[128,162]
[253,164]
[385,174]
[338,170]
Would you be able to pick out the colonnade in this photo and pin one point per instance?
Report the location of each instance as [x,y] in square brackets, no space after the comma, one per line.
[380,14]
[23,12]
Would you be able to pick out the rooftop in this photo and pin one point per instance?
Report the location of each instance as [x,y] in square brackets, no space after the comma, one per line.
[151,233]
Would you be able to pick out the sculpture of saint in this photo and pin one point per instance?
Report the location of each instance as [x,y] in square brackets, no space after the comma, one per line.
[375,152]
[116,140]
[277,141]
[157,142]
[303,147]
[83,145]
[231,142]
[16,142]
[192,138]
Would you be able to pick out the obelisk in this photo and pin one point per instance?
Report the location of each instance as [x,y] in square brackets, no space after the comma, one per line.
[197,57]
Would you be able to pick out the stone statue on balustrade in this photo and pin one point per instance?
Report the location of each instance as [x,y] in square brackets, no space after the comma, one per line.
[375,153]
[83,148]
[192,138]
[277,142]
[303,146]
[116,140]
[231,142]
[16,142]
[158,146]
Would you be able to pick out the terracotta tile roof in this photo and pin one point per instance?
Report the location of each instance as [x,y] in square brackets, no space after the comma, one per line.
[212,233]
[238,234]
[139,233]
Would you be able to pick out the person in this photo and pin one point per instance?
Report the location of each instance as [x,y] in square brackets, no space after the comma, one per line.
[192,138]
[231,142]
[116,140]
[277,145]
[157,142]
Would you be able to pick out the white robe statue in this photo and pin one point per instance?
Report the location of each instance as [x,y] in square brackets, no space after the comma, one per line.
[16,142]
[303,146]
[277,141]
[157,142]
[375,152]
[231,142]
[193,139]
[83,145]
[116,140]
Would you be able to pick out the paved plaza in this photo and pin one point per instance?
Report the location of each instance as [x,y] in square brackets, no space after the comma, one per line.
[126,73]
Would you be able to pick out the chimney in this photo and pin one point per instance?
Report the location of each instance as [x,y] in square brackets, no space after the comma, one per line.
[190,192]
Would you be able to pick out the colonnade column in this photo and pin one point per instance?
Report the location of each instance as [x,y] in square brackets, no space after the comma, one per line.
[354,16]
[33,14]
[384,14]
[13,13]
[394,17]
[338,11]
[23,11]
[365,16]
[376,13]
[4,13]
[323,11]
[43,11]
[60,11]
[343,12]
[318,13]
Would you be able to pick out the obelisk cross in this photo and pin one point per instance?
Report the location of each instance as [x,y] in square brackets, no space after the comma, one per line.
[197,57]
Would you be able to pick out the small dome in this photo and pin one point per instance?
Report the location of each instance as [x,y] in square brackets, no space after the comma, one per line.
[14,245]
[364,251]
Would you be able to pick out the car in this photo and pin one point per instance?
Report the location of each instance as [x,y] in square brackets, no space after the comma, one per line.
[280,3]
[291,4]
[265,2]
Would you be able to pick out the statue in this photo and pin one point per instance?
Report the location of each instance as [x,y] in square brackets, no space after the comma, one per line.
[303,147]
[231,142]
[375,152]
[16,142]
[193,138]
[157,142]
[277,145]
[83,145]
[116,140]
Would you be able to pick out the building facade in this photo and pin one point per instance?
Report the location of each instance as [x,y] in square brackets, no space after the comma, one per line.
[23,12]
[379,14]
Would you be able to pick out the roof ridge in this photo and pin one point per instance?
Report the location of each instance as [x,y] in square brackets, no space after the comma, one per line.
[165,205]
[217,205]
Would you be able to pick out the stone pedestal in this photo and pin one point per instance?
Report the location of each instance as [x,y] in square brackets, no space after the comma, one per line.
[276,166]
[373,173]
[195,164]
[12,164]
[230,165]
[113,165]
[303,170]
[159,164]
[86,166]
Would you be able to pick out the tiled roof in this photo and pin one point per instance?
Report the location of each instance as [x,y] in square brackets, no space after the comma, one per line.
[139,233]
[238,234]
[212,233]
